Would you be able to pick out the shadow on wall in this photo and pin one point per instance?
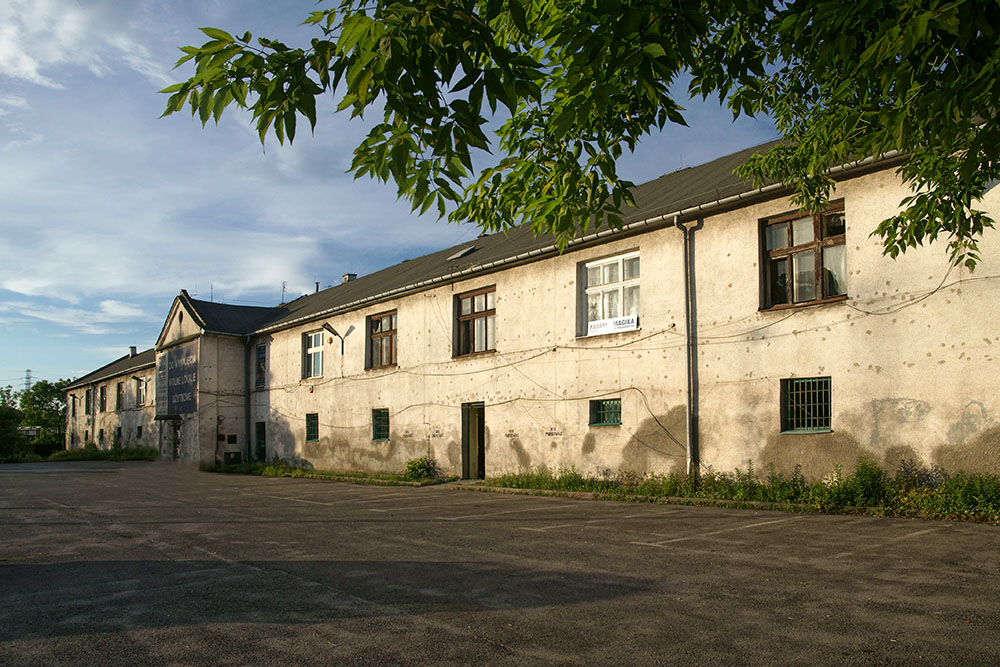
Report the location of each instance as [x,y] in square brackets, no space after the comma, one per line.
[123,596]
[816,453]
[281,442]
[659,444]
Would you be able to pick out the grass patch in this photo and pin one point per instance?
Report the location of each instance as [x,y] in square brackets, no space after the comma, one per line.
[90,452]
[912,491]
[417,475]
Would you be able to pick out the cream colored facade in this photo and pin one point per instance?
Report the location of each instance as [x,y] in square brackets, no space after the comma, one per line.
[909,353]
[126,418]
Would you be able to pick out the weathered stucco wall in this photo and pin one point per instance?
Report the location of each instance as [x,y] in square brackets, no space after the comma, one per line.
[910,354]
[86,427]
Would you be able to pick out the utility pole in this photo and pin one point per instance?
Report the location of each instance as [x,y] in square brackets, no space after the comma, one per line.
[27,379]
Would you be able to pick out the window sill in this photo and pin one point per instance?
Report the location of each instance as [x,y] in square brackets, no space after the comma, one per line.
[808,432]
[605,424]
[473,354]
[382,368]
[380,439]
[804,304]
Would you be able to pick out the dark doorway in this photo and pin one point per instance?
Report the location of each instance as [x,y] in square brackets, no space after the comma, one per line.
[473,441]
[176,439]
[261,441]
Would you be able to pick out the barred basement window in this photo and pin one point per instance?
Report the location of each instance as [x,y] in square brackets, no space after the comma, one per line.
[312,427]
[380,424]
[606,412]
[805,405]
[138,432]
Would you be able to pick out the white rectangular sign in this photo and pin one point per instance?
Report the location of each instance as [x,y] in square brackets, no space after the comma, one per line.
[613,325]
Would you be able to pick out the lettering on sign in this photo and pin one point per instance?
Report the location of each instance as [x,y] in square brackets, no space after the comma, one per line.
[613,325]
[177,380]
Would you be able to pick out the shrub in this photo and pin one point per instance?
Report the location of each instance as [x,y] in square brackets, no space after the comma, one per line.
[421,468]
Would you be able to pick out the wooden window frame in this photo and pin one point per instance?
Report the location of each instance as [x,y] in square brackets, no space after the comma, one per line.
[818,243]
[461,320]
[373,336]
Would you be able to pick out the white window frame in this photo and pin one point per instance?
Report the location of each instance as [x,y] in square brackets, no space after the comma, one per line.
[612,323]
[140,391]
[313,352]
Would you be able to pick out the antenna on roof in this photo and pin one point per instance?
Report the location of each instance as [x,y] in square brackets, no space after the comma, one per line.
[211,291]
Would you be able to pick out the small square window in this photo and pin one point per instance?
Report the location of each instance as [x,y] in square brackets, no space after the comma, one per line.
[380,424]
[806,405]
[605,412]
[312,427]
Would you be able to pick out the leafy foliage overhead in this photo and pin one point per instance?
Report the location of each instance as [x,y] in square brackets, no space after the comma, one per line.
[578,82]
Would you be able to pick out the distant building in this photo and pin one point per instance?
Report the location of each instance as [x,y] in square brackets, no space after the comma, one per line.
[721,325]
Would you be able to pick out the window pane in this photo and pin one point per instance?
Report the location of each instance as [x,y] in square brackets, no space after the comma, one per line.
[802,231]
[804,269]
[631,268]
[480,344]
[777,281]
[376,325]
[464,339]
[491,333]
[480,303]
[833,224]
[611,305]
[491,300]
[611,273]
[593,276]
[776,236]
[377,352]
[466,306]
[632,300]
[390,353]
[835,270]
[593,307]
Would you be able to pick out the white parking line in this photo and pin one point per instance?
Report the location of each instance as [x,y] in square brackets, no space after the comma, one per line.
[891,540]
[663,543]
[477,516]
[448,505]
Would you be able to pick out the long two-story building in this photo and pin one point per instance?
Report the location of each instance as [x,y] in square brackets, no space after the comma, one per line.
[720,325]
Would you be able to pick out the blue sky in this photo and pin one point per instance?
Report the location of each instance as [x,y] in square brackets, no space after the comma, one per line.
[108,211]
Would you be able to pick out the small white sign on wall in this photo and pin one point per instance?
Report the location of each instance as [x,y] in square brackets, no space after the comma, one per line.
[613,325]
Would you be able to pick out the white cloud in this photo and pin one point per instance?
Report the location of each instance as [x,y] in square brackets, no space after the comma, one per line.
[40,40]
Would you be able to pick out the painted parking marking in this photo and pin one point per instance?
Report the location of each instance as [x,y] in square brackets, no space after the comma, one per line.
[528,509]
[545,528]
[891,540]
[449,505]
[699,536]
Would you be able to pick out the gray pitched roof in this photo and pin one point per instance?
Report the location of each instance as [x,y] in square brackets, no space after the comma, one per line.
[676,191]
[225,317]
[126,364]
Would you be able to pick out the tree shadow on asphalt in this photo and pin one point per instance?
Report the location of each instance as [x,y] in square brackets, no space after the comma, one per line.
[60,599]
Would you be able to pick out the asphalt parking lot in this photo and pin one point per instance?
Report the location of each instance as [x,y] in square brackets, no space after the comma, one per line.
[150,563]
